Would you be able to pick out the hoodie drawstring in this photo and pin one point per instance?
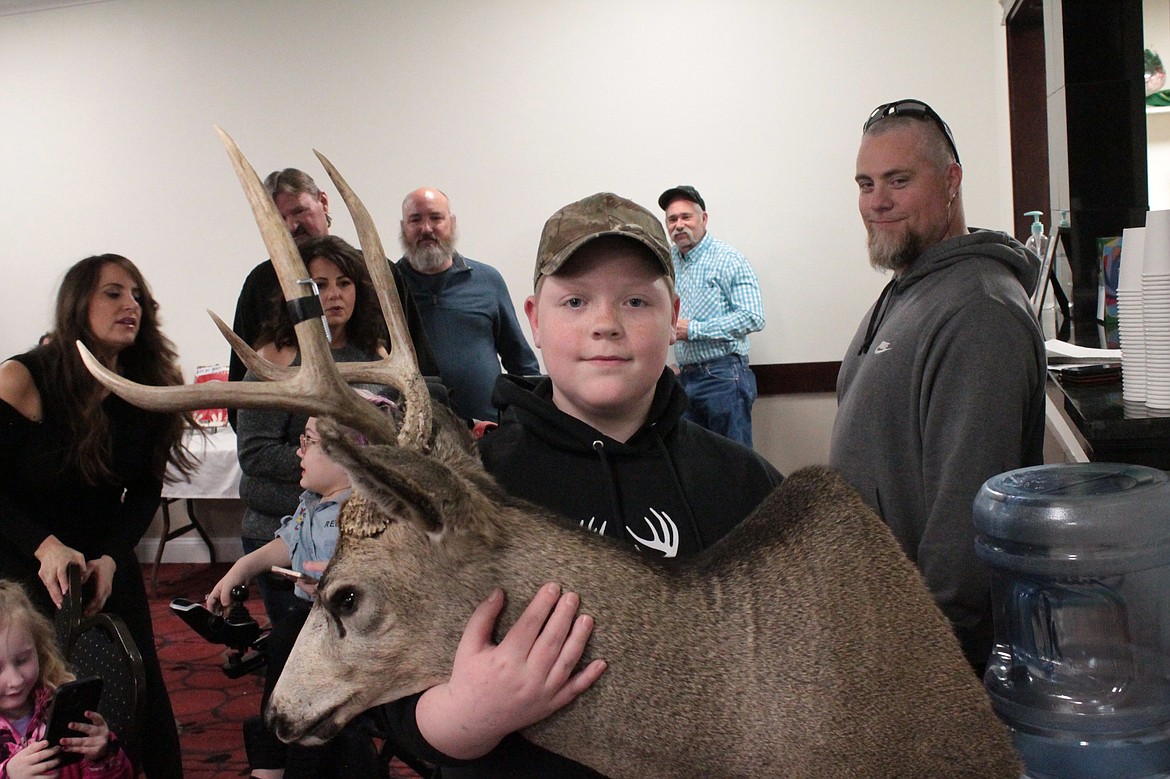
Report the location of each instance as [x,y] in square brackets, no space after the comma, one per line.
[679,489]
[875,317]
[611,482]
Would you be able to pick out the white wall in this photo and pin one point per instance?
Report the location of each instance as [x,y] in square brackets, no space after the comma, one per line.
[513,107]
[1156,21]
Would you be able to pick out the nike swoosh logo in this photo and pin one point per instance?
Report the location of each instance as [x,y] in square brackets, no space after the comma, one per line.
[884,346]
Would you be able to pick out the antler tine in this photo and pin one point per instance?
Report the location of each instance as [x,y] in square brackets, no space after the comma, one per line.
[352,372]
[317,388]
[318,375]
[252,361]
[400,367]
[213,394]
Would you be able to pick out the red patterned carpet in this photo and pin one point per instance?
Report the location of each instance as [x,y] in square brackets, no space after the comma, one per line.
[209,706]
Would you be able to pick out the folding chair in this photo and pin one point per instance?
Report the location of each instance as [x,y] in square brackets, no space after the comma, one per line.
[101,645]
[69,616]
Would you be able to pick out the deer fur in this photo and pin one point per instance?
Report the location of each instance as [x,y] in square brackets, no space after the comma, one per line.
[802,644]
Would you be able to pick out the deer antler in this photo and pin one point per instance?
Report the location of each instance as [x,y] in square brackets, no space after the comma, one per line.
[352,372]
[317,387]
[400,367]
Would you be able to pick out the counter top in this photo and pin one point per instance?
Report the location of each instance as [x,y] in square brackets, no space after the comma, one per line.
[1117,430]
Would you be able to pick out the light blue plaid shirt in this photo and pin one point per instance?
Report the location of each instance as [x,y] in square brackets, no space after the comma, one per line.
[720,296]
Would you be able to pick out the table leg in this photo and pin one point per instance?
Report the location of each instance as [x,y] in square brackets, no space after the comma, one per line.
[162,542]
[168,535]
[199,529]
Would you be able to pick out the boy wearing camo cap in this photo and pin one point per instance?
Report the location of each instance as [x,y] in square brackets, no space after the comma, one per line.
[602,440]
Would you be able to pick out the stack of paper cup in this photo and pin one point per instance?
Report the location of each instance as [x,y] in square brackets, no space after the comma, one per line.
[1156,308]
[1129,315]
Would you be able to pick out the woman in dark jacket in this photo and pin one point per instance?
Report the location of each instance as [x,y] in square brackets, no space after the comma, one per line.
[81,470]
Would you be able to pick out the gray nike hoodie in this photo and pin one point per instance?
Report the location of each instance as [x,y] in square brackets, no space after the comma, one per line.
[941,389]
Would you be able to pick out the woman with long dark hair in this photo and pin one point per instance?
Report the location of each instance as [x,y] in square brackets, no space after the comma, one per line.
[268,438]
[81,470]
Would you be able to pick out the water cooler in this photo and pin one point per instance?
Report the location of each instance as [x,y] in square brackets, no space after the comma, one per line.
[1080,672]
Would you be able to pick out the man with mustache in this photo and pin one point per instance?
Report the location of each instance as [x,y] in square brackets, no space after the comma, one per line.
[943,385]
[464,305]
[721,305]
[305,211]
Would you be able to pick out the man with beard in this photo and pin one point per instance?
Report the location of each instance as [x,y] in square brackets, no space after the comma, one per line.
[305,211]
[464,304]
[721,305]
[943,385]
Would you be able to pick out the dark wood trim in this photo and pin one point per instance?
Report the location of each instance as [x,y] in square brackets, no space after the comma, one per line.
[1028,111]
[796,378]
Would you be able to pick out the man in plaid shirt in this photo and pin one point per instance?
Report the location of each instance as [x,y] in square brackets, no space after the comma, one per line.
[721,305]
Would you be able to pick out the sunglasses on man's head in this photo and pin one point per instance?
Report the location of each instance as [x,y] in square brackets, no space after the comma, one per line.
[916,109]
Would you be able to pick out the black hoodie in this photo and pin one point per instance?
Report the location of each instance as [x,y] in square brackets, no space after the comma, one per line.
[673,489]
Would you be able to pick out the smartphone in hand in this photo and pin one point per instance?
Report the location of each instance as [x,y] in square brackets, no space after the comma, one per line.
[70,702]
[296,576]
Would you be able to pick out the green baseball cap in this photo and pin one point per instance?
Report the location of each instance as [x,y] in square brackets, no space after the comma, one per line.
[605,213]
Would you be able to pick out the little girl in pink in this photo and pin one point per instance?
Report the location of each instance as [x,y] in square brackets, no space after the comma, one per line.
[31,667]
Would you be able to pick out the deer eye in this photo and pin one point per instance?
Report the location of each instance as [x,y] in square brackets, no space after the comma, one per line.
[345,601]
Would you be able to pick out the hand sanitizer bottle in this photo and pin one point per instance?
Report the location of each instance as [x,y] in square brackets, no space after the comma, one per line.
[1038,244]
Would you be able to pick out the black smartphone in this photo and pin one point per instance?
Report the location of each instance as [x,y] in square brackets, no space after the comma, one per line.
[1092,374]
[70,702]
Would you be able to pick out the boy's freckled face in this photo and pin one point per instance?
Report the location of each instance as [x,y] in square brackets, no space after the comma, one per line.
[604,324]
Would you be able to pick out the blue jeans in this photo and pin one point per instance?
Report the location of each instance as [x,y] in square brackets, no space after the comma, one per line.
[721,393]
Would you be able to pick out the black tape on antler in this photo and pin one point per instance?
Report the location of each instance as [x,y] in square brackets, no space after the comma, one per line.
[301,309]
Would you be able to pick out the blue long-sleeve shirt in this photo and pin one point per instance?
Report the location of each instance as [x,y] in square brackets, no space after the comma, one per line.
[472,326]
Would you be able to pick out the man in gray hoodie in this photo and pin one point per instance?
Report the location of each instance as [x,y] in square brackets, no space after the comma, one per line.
[943,385]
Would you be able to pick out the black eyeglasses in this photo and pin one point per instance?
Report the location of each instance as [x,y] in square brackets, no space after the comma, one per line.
[915,109]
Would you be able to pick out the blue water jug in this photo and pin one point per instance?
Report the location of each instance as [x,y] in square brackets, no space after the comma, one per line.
[1080,574]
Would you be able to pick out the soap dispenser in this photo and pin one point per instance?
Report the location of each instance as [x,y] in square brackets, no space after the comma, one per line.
[1037,241]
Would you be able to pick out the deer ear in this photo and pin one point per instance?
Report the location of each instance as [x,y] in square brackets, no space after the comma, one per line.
[402,481]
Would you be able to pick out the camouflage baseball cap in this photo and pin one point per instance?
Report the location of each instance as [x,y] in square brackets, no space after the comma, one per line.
[605,213]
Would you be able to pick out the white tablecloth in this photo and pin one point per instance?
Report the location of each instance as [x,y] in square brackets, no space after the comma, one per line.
[217,474]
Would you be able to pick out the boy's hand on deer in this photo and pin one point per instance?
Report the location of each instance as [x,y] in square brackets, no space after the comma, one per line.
[494,689]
